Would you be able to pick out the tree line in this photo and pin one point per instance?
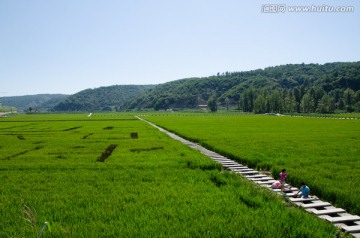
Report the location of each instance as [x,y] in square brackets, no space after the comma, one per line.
[298,100]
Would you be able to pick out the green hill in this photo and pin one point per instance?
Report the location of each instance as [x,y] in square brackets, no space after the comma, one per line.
[287,88]
[40,102]
[301,88]
[112,98]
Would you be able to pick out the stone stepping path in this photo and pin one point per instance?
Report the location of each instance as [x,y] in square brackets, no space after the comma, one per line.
[324,210]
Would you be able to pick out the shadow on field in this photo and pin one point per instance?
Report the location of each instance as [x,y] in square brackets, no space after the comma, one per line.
[147,149]
[107,153]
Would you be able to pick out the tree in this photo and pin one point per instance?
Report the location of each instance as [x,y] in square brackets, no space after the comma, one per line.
[248,98]
[326,104]
[227,102]
[316,93]
[239,104]
[341,104]
[290,102]
[260,104]
[275,101]
[307,103]
[212,104]
[298,94]
[357,107]
[349,97]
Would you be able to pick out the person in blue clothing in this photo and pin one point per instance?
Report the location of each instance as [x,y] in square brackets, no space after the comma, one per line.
[304,191]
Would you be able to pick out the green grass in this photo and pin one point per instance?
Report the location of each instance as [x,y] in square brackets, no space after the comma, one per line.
[152,186]
[322,152]
[347,115]
[352,116]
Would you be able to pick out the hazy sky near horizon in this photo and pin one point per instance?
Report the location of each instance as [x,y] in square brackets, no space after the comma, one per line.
[65,46]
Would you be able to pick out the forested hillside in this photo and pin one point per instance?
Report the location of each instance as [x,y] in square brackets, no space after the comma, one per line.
[32,102]
[301,88]
[288,88]
[112,98]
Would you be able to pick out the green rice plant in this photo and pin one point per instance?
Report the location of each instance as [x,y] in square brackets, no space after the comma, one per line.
[346,115]
[151,186]
[322,152]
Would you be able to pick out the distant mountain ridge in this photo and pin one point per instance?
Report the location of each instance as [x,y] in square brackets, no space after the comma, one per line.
[41,102]
[286,88]
[111,98]
[292,82]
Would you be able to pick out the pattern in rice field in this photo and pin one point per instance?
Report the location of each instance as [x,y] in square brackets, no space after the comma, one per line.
[72,128]
[86,136]
[22,153]
[146,149]
[107,153]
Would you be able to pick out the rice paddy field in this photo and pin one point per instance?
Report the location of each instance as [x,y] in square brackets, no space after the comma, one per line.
[322,152]
[93,177]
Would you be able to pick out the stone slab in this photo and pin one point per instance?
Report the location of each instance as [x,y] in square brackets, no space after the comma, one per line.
[266,182]
[289,194]
[247,172]
[326,211]
[235,167]
[342,219]
[240,166]
[229,162]
[241,170]
[261,178]
[313,198]
[221,161]
[353,230]
[314,204]
[256,176]
[279,189]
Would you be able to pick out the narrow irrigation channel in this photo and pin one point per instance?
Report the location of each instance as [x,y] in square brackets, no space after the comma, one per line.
[337,216]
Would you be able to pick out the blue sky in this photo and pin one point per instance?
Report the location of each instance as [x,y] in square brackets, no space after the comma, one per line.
[65,46]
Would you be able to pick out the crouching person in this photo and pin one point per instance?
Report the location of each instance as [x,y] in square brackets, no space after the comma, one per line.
[276,184]
[304,191]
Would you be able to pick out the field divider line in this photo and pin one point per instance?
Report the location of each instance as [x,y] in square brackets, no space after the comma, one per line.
[312,204]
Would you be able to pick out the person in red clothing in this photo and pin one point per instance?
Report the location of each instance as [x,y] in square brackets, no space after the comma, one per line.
[276,184]
[283,176]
